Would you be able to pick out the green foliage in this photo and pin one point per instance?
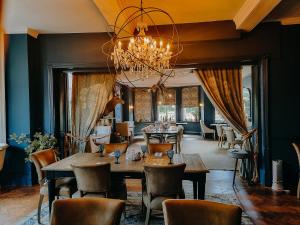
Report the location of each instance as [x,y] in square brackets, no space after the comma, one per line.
[38,142]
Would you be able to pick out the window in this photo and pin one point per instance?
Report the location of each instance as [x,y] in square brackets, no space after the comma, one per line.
[190,104]
[218,117]
[166,105]
[142,105]
[247,102]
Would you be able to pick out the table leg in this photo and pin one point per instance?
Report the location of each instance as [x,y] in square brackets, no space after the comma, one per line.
[201,186]
[195,189]
[51,193]
[234,172]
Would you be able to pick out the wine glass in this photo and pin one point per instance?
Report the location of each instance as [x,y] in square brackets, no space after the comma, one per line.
[101,150]
[170,155]
[117,155]
[144,150]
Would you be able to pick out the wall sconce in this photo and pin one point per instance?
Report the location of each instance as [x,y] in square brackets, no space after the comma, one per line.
[131,107]
[201,104]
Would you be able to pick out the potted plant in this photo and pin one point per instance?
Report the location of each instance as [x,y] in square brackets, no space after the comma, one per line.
[38,142]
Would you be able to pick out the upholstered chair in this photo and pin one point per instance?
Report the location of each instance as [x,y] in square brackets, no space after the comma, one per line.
[101,136]
[231,138]
[206,130]
[200,212]
[122,130]
[64,187]
[86,211]
[221,135]
[297,149]
[162,182]
[154,148]
[109,148]
[93,180]
[179,137]
[118,185]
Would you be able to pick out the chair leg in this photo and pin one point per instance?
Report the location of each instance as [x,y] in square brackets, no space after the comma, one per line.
[39,208]
[148,215]
[298,190]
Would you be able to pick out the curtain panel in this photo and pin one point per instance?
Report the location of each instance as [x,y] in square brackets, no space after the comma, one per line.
[167,98]
[142,105]
[190,97]
[225,90]
[90,94]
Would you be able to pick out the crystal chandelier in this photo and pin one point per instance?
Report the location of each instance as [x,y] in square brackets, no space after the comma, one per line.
[137,55]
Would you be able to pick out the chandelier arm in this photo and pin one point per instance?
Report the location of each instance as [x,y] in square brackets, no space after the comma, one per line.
[121,12]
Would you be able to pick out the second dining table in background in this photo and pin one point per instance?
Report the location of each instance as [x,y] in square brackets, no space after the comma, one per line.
[195,170]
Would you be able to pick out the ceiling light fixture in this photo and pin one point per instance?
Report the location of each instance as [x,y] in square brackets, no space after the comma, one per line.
[142,53]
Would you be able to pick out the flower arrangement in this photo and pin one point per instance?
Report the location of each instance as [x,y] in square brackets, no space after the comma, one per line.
[38,142]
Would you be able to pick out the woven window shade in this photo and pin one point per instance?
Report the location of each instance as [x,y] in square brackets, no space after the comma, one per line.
[142,105]
[169,97]
[190,97]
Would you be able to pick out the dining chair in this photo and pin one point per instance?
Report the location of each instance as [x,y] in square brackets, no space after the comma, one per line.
[93,180]
[297,149]
[65,187]
[200,212]
[221,135]
[206,130]
[86,211]
[163,148]
[231,138]
[101,136]
[109,148]
[162,182]
[118,184]
[122,130]
[179,136]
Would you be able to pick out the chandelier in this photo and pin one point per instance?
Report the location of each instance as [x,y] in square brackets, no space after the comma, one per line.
[138,50]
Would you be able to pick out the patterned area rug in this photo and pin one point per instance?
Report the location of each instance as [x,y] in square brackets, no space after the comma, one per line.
[133,209]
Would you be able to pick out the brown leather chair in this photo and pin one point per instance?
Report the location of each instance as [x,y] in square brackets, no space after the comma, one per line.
[200,212]
[297,149]
[153,148]
[119,189]
[87,211]
[109,148]
[162,182]
[122,130]
[93,180]
[64,186]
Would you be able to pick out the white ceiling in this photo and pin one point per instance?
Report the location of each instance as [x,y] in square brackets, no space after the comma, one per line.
[52,16]
[183,77]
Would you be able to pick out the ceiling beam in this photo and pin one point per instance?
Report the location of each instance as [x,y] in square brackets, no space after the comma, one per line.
[253,12]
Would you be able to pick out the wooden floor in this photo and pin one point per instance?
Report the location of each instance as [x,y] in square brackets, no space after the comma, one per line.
[262,204]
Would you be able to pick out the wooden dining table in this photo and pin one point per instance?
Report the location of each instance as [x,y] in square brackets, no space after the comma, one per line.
[195,170]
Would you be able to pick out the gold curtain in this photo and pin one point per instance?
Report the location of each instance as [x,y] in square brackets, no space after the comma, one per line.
[190,97]
[142,104]
[168,97]
[224,89]
[90,93]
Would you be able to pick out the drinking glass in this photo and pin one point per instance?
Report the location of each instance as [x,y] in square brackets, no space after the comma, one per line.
[170,155]
[117,154]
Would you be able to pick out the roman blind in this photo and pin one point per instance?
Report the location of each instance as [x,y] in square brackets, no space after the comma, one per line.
[142,104]
[190,97]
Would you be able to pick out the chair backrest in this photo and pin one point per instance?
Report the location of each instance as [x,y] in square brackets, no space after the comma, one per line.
[93,178]
[153,148]
[87,211]
[164,180]
[109,148]
[204,128]
[297,149]
[229,134]
[41,159]
[123,129]
[103,131]
[200,212]
[2,154]
[219,130]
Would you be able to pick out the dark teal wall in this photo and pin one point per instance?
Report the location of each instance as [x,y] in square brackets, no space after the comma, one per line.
[16,172]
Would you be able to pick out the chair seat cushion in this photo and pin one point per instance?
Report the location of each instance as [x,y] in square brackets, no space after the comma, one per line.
[63,187]
[156,203]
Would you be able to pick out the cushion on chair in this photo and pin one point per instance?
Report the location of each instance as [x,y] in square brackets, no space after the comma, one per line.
[200,212]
